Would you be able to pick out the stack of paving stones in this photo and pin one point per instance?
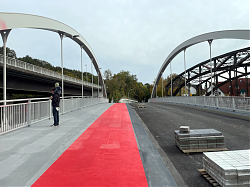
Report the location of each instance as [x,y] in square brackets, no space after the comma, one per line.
[228,168]
[199,139]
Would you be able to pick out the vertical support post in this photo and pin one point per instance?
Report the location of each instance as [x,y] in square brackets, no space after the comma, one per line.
[200,85]
[98,83]
[4,34]
[162,86]
[179,86]
[171,80]
[210,43]
[215,70]
[189,84]
[82,71]
[236,85]
[86,73]
[50,108]
[246,80]
[185,69]
[156,91]
[61,37]
[231,86]
[92,77]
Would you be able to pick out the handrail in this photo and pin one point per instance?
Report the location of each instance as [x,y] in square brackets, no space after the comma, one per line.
[30,67]
[229,102]
[15,116]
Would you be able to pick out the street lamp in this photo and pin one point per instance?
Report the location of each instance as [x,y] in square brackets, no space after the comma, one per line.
[128,92]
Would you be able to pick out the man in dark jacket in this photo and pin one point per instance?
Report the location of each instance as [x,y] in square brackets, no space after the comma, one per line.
[55,104]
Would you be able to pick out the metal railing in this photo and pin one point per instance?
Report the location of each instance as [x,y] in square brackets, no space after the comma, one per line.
[233,103]
[28,111]
[30,67]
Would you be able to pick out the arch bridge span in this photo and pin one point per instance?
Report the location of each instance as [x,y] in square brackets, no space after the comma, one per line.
[9,21]
[227,67]
[225,34]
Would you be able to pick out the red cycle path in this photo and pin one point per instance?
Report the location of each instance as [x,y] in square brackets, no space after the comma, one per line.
[106,154]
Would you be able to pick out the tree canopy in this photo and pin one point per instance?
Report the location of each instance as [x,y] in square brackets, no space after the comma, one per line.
[125,85]
[9,52]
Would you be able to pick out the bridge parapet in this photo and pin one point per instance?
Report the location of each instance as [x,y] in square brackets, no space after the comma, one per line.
[27,111]
[232,103]
[33,68]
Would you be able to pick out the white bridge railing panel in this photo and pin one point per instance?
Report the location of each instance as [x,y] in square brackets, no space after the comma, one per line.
[24,65]
[233,103]
[28,111]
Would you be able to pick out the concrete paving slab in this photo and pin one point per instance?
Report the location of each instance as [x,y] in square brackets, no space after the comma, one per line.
[27,152]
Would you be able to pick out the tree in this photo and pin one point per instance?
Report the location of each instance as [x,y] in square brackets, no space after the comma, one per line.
[9,52]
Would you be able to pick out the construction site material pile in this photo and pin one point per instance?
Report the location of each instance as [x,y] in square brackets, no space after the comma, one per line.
[199,139]
[228,168]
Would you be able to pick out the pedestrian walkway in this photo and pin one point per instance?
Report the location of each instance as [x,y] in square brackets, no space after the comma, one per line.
[106,154]
[101,145]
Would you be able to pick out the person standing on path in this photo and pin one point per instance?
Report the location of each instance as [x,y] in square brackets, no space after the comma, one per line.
[55,104]
[58,89]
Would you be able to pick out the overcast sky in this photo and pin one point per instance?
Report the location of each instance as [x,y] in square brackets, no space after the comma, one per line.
[130,35]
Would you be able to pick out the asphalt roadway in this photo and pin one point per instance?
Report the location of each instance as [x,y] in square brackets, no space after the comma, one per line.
[162,119]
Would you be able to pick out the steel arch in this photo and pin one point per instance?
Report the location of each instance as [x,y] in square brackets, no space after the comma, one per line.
[221,67]
[10,21]
[230,34]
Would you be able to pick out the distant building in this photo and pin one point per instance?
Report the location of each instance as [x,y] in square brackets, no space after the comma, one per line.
[238,88]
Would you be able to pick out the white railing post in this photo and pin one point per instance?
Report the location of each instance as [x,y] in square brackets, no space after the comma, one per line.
[233,103]
[50,108]
[217,102]
[29,112]
[204,101]
[72,104]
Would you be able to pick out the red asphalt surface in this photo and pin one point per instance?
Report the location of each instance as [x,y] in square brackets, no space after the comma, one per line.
[106,154]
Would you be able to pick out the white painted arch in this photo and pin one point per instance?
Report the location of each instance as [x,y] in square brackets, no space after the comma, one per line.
[225,34]
[10,21]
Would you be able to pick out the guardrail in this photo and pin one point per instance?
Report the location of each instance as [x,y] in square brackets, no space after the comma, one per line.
[30,67]
[14,116]
[233,103]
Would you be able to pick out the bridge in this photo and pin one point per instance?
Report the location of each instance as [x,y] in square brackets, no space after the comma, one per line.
[25,78]
[99,143]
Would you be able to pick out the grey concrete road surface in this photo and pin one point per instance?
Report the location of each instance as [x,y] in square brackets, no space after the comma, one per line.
[162,119]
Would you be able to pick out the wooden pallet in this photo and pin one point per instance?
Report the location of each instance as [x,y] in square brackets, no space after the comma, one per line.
[209,178]
[203,150]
